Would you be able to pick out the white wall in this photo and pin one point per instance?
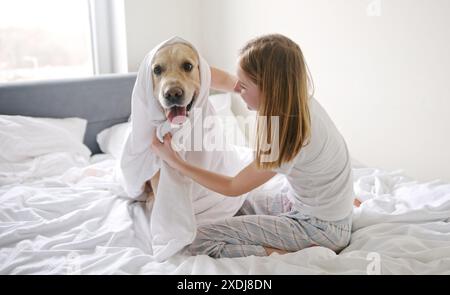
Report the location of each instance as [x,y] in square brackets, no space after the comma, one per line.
[383,79]
[149,22]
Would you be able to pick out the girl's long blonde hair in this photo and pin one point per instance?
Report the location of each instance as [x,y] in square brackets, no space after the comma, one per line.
[276,65]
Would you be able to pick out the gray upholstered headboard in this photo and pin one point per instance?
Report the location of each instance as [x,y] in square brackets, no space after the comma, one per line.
[103,100]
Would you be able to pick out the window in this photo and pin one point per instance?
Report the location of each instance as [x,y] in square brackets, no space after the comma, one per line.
[45,39]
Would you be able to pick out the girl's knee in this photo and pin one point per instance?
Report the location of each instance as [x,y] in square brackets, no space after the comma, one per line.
[205,247]
[203,243]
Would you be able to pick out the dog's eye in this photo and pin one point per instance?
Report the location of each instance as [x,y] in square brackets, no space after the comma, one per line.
[187,66]
[157,70]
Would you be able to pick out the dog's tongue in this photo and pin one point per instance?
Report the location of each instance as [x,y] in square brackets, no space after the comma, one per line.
[177,115]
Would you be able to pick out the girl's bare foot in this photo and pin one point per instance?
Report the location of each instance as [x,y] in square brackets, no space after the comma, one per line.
[356,202]
[271,250]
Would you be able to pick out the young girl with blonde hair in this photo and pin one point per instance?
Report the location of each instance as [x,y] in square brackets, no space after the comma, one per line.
[316,209]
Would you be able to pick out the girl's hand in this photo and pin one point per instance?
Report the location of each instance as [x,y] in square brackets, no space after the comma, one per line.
[164,150]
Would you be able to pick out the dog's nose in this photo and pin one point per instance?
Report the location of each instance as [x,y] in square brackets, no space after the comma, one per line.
[174,93]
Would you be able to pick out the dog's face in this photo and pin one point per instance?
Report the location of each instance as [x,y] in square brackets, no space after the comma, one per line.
[176,80]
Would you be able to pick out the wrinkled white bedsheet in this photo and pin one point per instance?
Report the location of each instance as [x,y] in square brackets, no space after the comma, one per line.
[78,223]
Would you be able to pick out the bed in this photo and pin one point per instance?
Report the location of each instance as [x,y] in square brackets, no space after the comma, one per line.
[61,214]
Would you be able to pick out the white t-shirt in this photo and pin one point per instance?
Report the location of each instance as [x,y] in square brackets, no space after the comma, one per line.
[320,176]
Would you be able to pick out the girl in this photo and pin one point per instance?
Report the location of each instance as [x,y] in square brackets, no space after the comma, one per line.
[316,208]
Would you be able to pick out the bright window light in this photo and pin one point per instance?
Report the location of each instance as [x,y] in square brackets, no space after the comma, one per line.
[44,39]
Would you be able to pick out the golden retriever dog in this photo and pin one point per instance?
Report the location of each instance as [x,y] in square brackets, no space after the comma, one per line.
[176,84]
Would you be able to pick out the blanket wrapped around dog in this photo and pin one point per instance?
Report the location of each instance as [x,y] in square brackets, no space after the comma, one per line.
[180,204]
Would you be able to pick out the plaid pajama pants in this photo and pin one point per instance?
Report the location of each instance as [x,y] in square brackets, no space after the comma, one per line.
[265,220]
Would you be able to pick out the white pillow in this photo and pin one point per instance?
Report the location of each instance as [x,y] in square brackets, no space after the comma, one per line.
[246,118]
[222,105]
[23,137]
[112,139]
[75,126]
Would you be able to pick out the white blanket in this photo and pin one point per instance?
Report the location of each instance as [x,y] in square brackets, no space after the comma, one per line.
[79,223]
[180,204]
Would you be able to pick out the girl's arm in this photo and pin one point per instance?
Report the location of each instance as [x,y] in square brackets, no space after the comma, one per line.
[249,178]
[246,180]
[223,81]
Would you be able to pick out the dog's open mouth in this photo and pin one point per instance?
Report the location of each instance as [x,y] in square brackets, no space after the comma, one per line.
[178,114]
